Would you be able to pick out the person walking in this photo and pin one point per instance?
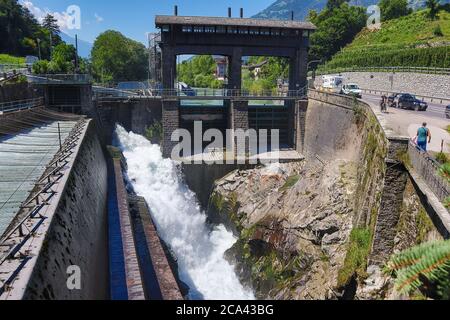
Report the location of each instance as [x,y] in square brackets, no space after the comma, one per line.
[423,137]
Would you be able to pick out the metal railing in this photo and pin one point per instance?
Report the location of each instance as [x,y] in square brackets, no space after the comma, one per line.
[60,79]
[18,105]
[203,93]
[22,231]
[440,100]
[426,70]
[428,169]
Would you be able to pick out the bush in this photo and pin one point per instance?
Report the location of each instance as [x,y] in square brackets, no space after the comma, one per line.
[437,31]
[441,158]
[41,67]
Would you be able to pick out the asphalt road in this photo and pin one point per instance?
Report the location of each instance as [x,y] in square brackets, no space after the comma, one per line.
[434,110]
[406,122]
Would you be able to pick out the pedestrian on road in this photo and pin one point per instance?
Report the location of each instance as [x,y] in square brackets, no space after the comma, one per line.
[423,137]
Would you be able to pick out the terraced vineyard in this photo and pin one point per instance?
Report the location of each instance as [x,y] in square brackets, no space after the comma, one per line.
[413,40]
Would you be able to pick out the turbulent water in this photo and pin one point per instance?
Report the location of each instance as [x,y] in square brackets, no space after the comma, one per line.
[181,224]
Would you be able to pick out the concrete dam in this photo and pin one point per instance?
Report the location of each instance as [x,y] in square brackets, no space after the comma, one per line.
[85,201]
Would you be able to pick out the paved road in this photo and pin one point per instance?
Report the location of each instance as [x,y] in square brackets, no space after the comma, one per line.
[434,109]
[406,122]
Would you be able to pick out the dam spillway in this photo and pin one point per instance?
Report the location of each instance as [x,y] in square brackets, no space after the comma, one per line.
[23,160]
[198,247]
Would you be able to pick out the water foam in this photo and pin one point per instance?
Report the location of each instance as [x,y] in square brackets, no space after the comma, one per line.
[181,223]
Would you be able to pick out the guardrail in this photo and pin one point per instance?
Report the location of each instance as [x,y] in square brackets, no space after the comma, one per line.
[427,70]
[203,93]
[440,100]
[18,105]
[35,205]
[60,79]
[428,169]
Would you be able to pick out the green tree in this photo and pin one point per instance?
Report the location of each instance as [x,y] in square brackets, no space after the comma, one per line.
[117,58]
[392,9]
[51,24]
[20,31]
[336,28]
[433,6]
[199,72]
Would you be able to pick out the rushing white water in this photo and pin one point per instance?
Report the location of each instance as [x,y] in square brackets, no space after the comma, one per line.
[181,223]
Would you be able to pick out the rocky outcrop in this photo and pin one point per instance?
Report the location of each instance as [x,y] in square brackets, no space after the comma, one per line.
[293,223]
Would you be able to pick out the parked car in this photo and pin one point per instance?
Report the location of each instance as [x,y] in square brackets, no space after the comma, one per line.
[407,101]
[352,89]
[185,89]
[447,112]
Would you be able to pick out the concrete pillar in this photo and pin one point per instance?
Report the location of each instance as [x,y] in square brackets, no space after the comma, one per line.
[298,70]
[169,67]
[170,122]
[235,70]
[87,104]
[300,132]
[239,120]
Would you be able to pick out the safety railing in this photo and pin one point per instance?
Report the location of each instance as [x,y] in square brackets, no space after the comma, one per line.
[427,70]
[17,236]
[60,79]
[439,100]
[202,93]
[428,170]
[18,105]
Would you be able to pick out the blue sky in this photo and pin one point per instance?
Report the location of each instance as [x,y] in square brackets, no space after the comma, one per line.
[135,18]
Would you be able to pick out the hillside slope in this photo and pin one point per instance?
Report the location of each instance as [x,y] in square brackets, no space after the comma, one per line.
[413,40]
[281,9]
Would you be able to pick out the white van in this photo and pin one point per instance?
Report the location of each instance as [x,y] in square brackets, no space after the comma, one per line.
[332,83]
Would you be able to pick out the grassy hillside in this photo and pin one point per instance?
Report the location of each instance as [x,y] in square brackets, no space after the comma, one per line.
[7,59]
[413,40]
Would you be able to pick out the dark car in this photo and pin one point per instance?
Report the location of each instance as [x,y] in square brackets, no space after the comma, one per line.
[407,101]
[447,112]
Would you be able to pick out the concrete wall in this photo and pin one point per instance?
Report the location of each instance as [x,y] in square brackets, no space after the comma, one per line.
[77,234]
[331,131]
[134,116]
[20,91]
[416,83]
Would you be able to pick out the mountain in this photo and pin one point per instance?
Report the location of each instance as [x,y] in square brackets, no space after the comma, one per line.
[281,9]
[84,47]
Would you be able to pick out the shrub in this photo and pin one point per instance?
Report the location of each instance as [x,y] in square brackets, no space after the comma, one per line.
[437,31]
[441,158]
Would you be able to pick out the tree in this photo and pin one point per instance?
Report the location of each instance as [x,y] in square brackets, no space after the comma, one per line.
[336,28]
[51,24]
[117,58]
[20,31]
[433,6]
[392,9]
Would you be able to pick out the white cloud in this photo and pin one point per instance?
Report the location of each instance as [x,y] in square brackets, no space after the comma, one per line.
[98,18]
[63,18]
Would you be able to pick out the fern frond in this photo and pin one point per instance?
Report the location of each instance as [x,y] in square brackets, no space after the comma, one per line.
[430,261]
[409,257]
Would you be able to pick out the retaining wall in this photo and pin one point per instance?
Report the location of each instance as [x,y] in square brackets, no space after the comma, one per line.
[77,233]
[417,83]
